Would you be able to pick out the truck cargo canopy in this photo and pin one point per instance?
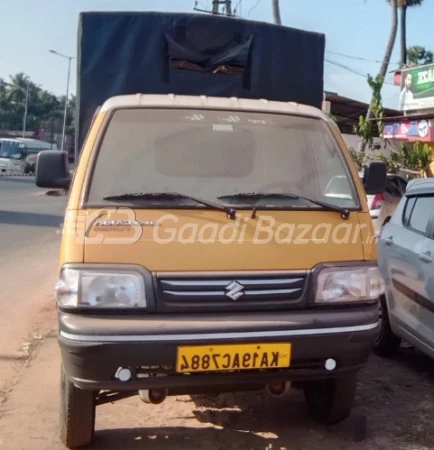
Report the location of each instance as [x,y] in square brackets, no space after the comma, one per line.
[191,54]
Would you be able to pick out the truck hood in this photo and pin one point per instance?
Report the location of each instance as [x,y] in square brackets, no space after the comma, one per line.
[206,240]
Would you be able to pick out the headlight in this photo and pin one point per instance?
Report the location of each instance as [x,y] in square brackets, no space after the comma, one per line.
[348,284]
[100,289]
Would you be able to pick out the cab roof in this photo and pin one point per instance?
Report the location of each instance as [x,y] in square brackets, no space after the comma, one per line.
[205,102]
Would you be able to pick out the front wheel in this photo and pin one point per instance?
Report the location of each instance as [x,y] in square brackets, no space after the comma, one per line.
[77,414]
[331,401]
[387,344]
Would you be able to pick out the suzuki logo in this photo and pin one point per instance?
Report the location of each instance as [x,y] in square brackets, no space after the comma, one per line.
[234,290]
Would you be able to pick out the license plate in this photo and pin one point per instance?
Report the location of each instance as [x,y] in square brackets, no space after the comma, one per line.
[210,358]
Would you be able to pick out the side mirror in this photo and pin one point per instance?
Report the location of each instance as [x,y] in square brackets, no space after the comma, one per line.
[52,170]
[375,178]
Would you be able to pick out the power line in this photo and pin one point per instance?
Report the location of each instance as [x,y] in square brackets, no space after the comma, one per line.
[236,7]
[350,69]
[343,66]
[358,58]
[253,7]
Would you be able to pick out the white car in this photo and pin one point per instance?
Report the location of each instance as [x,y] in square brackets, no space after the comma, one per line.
[380,205]
[406,262]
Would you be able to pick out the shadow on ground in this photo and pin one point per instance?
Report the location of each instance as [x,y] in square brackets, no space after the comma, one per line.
[258,422]
[32,219]
[182,438]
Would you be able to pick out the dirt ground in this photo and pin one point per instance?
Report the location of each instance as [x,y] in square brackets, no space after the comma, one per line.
[394,396]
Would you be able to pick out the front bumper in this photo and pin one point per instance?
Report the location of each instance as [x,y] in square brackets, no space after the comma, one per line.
[93,348]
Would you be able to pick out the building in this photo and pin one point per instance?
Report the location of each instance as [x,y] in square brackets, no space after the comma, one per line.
[416,98]
[347,111]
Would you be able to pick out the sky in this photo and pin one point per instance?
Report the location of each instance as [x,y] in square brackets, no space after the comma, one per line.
[356,28]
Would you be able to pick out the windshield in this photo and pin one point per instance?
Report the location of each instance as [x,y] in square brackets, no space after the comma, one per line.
[11,150]
[218,154]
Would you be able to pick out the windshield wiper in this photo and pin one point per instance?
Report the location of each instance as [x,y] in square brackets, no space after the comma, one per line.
[344,212]
[231,212]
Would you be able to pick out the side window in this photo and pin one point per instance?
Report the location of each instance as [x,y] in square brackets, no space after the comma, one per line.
[421,214]
[409,205]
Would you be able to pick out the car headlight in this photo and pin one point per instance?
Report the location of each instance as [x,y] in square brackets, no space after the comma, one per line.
[348,284]
[100,289]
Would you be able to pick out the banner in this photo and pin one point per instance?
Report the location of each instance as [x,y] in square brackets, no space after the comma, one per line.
[411,130]
[417,88]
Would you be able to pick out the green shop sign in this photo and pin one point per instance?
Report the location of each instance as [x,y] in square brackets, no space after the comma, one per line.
[417,88]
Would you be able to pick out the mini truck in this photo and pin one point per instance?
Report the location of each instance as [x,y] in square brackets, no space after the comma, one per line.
[217,236]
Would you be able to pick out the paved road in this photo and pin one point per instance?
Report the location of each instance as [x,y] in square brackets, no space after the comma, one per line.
[29,247]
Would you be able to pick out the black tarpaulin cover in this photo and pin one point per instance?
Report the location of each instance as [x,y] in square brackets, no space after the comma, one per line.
[123,53]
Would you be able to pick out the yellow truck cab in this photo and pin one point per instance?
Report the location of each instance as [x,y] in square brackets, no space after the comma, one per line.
[212,244]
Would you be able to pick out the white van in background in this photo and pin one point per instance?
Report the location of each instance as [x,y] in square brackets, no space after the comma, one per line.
[19,155]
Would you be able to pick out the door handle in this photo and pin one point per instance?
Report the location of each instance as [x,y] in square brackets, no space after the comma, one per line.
[388,240]
[426,257]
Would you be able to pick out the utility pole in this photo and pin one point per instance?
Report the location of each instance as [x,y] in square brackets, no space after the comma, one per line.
[26,107]
[219,8]
[276,12]
[69,58]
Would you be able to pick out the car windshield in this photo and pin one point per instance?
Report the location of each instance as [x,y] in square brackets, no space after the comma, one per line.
[10,150]
[220,156]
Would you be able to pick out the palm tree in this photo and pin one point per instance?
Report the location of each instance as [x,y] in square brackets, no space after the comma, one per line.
[417,55]
[276,12]
[3,86]
[3,91]
[17,87]
[386,59]
[403,5]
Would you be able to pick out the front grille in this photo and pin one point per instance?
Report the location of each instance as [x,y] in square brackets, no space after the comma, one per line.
[230,293]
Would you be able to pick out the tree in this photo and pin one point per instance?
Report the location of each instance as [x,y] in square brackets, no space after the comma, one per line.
[45,110]
[17,87]
[385,64]
[3,104]
[276,12]
[417,55]
[365,127]
[403,5]
[3,86]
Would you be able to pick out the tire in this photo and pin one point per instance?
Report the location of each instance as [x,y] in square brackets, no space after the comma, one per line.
[77,414]
[331,401]
[387,343]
